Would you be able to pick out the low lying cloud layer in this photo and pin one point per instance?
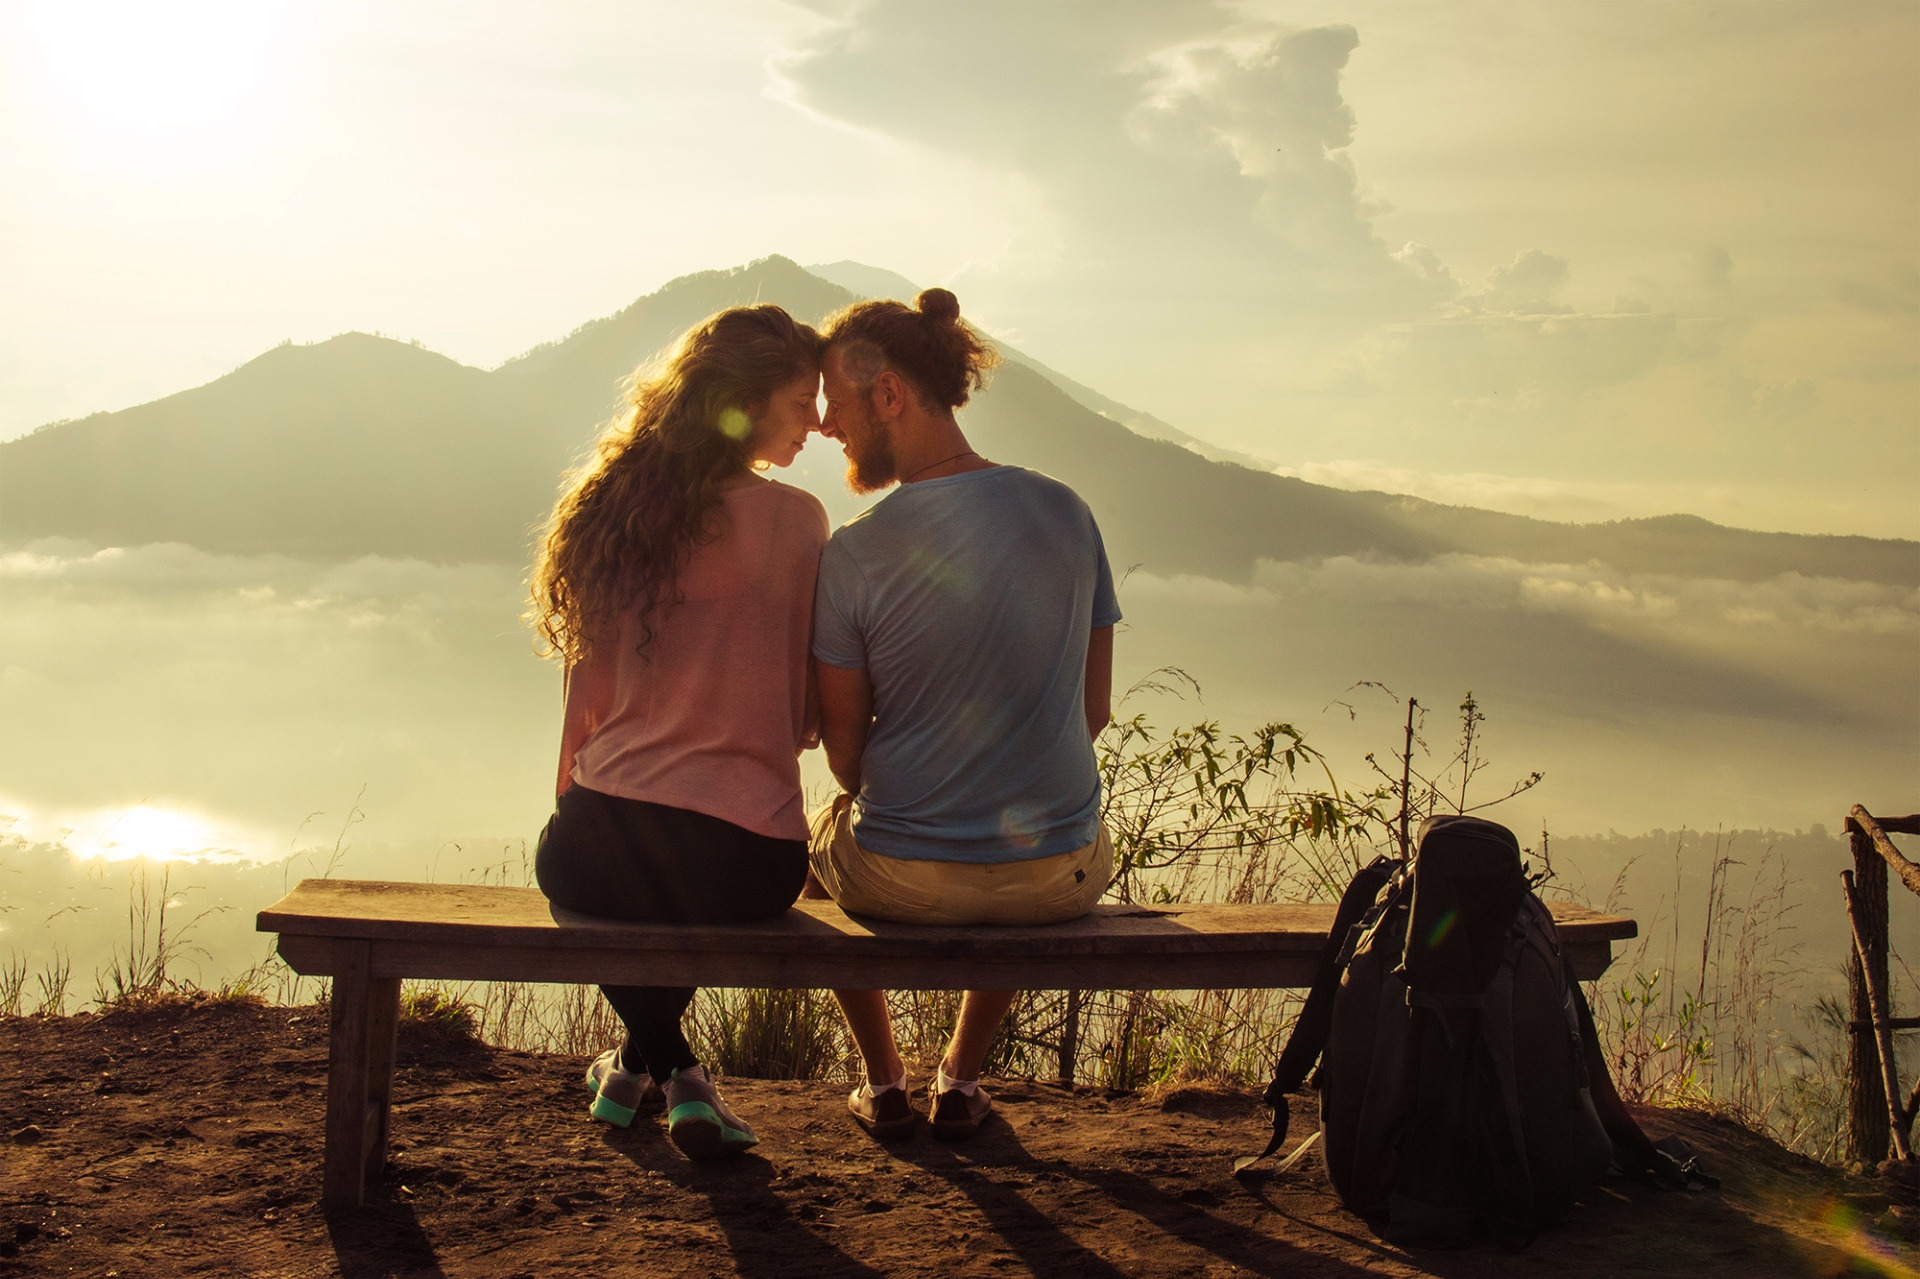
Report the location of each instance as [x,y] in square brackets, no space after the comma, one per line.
[163,567]
[1602,596]
[164,698]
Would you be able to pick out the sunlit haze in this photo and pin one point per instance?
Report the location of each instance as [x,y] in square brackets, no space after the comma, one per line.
[1573,260]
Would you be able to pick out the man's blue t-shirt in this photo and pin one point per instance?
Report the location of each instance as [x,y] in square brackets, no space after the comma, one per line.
[969,600]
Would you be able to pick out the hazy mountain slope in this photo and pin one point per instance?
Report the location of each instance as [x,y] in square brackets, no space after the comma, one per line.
[1682,545]
[876,282]
[353,445]
[360,445]
[1167,508]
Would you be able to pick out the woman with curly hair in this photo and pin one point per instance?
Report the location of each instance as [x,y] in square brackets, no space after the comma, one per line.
[676,585]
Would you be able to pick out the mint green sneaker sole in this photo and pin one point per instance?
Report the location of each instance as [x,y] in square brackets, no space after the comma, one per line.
[605,1109]
[700,1134]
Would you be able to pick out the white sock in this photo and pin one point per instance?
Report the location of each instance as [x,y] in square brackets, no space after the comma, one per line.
[948,1084]
[874,1090]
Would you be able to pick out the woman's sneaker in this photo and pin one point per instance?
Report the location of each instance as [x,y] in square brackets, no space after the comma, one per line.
[698,1122]
[886,1113]
[619,1095]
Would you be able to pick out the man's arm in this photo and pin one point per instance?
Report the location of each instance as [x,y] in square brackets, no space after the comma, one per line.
[1099,680]
[1099,698]
[846,713]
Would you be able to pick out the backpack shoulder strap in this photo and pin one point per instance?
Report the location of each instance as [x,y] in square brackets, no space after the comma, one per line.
[1634,1153]
[1315,1022]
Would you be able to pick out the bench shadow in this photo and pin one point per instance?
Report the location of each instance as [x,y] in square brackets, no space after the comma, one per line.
[1046,1248]
[763,1235]
[1039,1241]
[382,1240]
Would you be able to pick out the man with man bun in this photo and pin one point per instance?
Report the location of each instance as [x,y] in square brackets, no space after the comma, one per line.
[963,643]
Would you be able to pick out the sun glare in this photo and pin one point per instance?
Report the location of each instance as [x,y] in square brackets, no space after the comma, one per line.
[141,831]
[126,85]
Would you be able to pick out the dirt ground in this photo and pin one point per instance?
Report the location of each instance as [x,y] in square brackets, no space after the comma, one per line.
[187,1140]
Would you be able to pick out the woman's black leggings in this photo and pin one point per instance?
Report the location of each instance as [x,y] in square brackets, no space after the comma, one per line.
[630,859]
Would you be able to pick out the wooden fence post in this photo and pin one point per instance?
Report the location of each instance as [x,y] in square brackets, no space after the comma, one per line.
[1868,1132]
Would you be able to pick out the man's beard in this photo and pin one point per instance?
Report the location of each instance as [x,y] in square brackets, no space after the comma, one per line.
[870,462]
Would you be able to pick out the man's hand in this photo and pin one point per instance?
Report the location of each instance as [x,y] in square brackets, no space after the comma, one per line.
[846,714]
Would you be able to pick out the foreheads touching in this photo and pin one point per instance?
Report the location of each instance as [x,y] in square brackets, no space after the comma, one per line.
[851,380]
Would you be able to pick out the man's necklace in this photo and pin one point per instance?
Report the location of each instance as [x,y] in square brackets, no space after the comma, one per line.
[942,462]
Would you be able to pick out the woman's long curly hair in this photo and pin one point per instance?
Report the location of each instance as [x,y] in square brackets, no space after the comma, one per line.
[652,491]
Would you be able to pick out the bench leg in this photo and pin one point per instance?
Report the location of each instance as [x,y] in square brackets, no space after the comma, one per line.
[383,1026]
[365,1016]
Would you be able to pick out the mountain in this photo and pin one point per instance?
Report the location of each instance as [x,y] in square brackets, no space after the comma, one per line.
[360,445]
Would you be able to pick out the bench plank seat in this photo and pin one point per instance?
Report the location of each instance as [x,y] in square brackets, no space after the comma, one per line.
[467,932]
[369,935]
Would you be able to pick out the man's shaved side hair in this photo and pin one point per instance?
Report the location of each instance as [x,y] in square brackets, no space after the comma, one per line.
[942,357]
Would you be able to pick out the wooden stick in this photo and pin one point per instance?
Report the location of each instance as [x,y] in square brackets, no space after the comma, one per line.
[1893,1023]
[1883,1035]
[1908,872]
[1909,825]
[1406,780]
[1869,1136]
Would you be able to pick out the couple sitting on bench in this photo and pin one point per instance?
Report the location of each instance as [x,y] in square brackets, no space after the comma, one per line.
[952,648]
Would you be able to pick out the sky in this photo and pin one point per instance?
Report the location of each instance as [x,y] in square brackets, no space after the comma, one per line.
[1576,260]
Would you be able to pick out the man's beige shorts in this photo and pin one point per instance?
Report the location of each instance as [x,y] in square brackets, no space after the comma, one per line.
[1046,890]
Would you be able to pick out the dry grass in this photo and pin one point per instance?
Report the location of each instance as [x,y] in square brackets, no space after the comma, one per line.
[1196,814]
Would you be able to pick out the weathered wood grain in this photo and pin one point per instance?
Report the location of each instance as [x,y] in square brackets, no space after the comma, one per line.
[424,915]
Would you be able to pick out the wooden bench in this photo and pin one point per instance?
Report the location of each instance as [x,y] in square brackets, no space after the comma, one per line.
[368,936]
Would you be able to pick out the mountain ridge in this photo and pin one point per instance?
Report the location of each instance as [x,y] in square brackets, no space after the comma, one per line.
[361,444]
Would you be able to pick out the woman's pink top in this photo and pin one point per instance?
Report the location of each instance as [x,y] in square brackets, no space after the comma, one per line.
[712,715]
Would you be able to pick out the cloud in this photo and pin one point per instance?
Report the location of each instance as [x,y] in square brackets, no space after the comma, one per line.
[1581,501]
[1276,108]
[1713,269]
[1895,293]
[1426,264]
[1170,142]
[1472,355]
[1526,285]
[267,597]
[1637,603]
[1774,400]
[164,568]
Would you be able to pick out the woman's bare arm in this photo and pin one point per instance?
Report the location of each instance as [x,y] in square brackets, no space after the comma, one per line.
[587,688]
[810,720]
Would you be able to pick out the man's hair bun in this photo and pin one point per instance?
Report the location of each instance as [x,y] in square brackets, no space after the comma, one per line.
[938,305]
[928,344]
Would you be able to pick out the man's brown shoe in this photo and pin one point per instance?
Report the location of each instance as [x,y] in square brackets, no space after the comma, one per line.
[886,1113]
[958,1114]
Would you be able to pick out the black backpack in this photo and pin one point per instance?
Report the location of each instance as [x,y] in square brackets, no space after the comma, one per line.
[1463,1091]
